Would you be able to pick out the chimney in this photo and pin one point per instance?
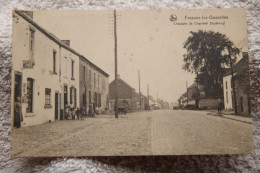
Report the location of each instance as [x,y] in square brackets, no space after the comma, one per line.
[66,42]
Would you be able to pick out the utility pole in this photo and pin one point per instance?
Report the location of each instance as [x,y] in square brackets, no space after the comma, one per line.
[232,80]
[139,89]
[116,82]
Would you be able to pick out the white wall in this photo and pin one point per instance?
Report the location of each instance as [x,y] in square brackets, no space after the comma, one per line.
[65,74]
[227,92]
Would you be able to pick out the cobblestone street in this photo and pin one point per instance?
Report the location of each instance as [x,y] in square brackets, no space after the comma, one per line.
[158,132]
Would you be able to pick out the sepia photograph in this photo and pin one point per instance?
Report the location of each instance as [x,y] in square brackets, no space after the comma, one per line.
[130,83]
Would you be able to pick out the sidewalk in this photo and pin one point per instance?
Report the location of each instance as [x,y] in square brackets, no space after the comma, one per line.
[229,114]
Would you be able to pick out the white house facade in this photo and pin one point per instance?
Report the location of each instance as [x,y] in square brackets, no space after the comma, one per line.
[228,92]
[45,73]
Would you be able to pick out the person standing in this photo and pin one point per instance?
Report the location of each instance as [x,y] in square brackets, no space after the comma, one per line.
[66,112]
[94,109]
[90,111]
[18,116]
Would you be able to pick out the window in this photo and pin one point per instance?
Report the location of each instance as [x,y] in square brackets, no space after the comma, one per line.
[71,95]
[227,96]
[65,95]
[94,80]
[31,42]
[75,97]
[72,69]
[99,100]
[47,97]
[29,95]
[84,72]
[226,84]
[98,81]
[103,84]
[90,77]
[54,62]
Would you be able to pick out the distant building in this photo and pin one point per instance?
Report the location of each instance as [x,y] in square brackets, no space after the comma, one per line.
[152,103]
[195,93]
[126,94]
[165,105]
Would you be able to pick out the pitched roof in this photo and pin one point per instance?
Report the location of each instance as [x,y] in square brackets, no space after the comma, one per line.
[194,85]
[57,40]
[239,66]
[119,79]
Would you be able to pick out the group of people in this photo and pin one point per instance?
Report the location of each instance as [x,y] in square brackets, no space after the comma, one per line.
[92,109]
[72,113]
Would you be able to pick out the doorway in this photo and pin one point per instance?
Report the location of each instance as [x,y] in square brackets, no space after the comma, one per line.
[17,98]
[56,106]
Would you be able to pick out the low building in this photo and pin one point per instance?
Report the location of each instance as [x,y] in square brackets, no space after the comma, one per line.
[126,94]
[195,97]
[193,93]
[152,103]
[145,102]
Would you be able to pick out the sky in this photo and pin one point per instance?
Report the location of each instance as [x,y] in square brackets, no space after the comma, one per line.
[147,40]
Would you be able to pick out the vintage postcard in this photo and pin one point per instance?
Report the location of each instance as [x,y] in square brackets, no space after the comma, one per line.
[130,83]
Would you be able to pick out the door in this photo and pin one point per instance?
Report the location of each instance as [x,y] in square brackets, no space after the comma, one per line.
[56,106]
[17,98]
[65,96]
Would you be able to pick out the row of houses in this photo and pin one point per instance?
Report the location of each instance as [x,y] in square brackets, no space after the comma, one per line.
[195,96]
[48,75]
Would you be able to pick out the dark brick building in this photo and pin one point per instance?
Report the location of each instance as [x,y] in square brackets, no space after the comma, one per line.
[126,93]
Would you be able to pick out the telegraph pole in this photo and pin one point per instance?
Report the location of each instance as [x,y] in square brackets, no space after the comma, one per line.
[116,82]
[139,89]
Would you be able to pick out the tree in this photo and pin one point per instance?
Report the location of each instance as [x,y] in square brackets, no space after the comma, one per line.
[208,53]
